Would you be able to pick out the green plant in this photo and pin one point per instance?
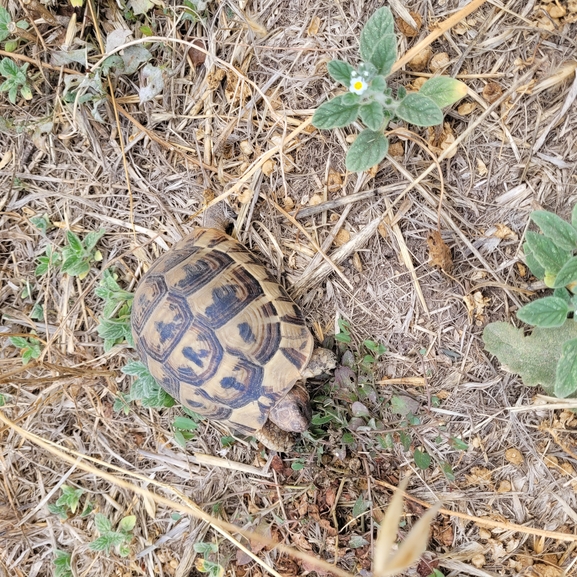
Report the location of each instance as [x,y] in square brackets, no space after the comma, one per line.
[203,564]
[114,324]
[370,98]
[68,503]
[52,258]
[547,357]
[10,28]
[61,562]
[145,388]
[119,539]
[15,80]
[29,347]
[79,254]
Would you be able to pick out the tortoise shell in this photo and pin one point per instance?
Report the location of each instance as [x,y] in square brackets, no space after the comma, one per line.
[218,332]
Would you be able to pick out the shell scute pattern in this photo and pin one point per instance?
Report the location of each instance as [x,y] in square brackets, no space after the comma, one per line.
[217,332]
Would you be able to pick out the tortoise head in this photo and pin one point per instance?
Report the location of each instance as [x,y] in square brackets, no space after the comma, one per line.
[293,412]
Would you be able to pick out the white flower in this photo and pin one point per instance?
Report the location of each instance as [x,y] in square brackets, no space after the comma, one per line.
[358,84]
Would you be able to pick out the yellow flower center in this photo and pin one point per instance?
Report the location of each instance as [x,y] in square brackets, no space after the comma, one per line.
[358,85]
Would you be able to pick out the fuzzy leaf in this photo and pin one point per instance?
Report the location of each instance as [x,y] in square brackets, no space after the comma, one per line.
[555,228]
[378,43]
[533,357]
[341,71]
[550,256]
[419,110]
[372,115]
[574,217]
[443,90]
[154,83]
[567,274]
[5,19]
[337,113]
[127,523]
[369,148]
[566,381]
[536,269]
[546,312]
[102,523]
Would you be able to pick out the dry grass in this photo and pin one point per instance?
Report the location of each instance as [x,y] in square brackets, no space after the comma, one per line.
[246,136]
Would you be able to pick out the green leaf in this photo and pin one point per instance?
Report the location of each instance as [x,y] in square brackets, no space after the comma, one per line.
[9,69]
[422,459]
[179,438]
[5,19]
[101,544]
[448,471]
[356,542]
[75,243]
[533,357]
[419,110]
[368,149]
[443,90]
[385,441]
[379,84]
[336,113]
[297,466]
[348,438]
[458,444]
[536,269]
[405,440]
[562,293]
[20,342]
[378,44]
[546,252]
[102,523]
[127,523]
[360,506]
[185,423]
[566,376]
[341,71]
[555,228]
[567,274]
[546,312]
[574,217]
[92,238]
[372,115]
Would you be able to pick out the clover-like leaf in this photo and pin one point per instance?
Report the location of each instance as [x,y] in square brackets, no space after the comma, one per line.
[533,357]
[341,71]
[443,90]
[368,149]
[336,113]
[555,228]
[419,110]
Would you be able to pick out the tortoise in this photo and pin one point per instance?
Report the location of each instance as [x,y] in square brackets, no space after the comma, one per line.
[218,333]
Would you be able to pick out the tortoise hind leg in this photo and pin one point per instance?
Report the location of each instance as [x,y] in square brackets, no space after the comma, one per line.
[322,361]
[273,437]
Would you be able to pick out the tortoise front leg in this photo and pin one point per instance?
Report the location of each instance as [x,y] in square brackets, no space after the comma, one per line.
[273,437]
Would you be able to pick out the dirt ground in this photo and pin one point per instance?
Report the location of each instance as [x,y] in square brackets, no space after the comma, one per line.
[500,457]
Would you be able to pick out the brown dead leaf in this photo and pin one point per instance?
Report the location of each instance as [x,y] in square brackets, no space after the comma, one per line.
[268,167]
[300,542]
[197,57]
[504,486]
[420,61]
[443,533]
[288,203]
[476,304]
[417,84]
[315,200]
[342,237]
[397,149]
[439,143]
[277,464]
[504,232]
[542,570]
[492,92]
[383,229]
[313,28]
[466,108]
[439,61]
[408,30]
[357,262]
[334,180]
[439,252]
[478,560]
[481,168]
[514,456]
[236,91]
[214,78]
[480,476]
